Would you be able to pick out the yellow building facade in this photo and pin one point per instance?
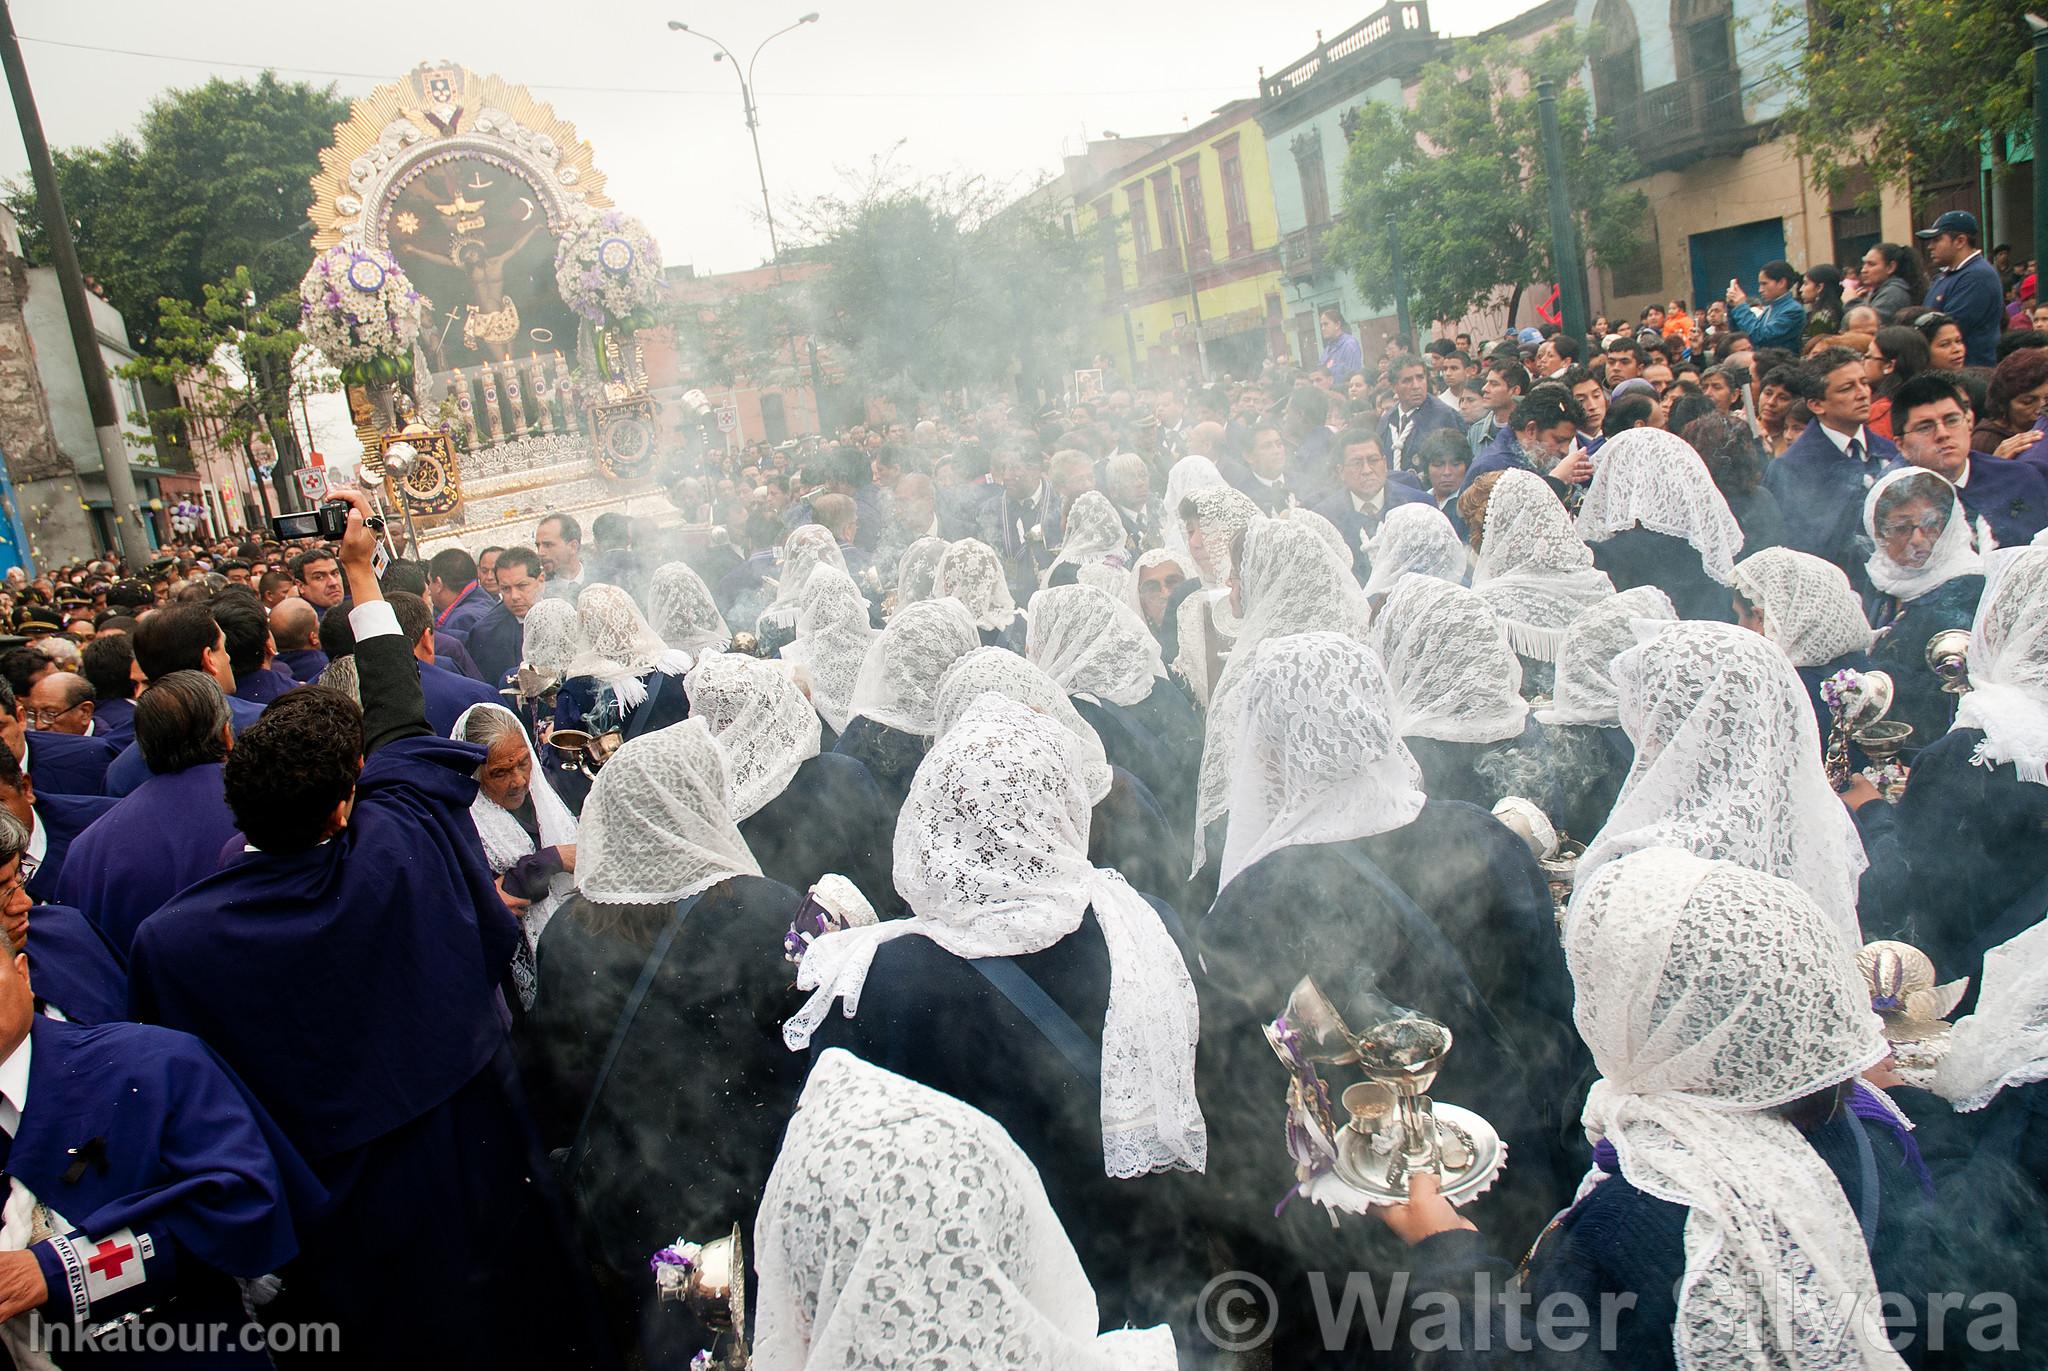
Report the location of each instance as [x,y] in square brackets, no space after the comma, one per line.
[1190,247]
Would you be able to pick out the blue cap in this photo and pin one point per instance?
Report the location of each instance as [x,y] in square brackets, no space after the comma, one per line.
[1954,221]
[1532,336]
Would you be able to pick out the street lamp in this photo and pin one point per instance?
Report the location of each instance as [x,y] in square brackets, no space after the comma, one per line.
[725,54]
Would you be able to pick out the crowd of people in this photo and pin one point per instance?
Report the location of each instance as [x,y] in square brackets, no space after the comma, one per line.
[909,858]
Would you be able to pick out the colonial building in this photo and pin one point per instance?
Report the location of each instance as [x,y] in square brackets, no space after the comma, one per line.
[1190,252]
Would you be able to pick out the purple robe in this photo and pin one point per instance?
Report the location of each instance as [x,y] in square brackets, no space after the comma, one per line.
[154,842]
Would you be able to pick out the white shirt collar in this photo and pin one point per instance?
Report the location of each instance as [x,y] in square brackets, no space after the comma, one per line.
[38,838]
[14,1084]
[1961,478]
[1841,440]
[1372,506]
[24,749]
[1268,484]
[1974,252]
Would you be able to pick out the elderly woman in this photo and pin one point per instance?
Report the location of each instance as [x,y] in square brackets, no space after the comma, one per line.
[1749,1196]
[803,812]
[1454,686]
[1102,657]
[1807,607]
[652,1051]
[1928,577]
[1654,517]
[1532,569]
[528,834]
[1015,941]
[2019,390]
[893,711]
[849,1268]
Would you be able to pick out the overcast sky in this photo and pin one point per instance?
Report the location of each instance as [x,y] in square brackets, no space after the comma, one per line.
[993,89]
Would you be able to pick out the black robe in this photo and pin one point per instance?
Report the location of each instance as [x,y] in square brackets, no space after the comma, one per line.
[1901,650]
[1644,557]
[929,1015]
[1463,771]
[1954,865]
[1492,971]
[1129,832]
[890,755]
[1158,740]
[830,817]
[1572,772]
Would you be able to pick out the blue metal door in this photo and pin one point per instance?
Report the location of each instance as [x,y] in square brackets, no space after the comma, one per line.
[1736,252]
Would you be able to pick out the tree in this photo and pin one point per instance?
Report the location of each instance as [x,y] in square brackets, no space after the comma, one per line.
[215,180]
[1461,172]
[242,359]
[1888,85]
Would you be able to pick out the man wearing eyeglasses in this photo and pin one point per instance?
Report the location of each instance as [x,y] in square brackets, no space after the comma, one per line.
[1934,434]
[52,821]
[62,703]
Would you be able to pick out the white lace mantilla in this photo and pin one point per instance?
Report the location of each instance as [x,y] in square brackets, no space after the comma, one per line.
[1809,608]
[1091,645]
[1533,570]
[2008,698]
[1585,681]
[832,640]
[1648,478]
[764,723]
[1450,670]
[898,685]
[658,825]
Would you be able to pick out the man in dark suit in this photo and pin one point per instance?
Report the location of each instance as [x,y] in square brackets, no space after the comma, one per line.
[1262,473]
[1023,522]
[1968,289]
[498,642]
[1932,418]
[1128,483]
[52,821]
[1366,496]
[459,599]
[295,629]
[447,693]
[1416,413]
[62,763]
[176,638]
[1820,481]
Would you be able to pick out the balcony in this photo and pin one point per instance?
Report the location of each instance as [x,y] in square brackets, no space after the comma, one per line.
[1694,118]
[1301,254]
[1403,19]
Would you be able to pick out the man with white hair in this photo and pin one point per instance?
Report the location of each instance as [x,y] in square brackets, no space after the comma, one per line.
[1130,490]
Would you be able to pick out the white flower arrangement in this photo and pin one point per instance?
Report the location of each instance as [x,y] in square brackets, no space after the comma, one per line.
[608,269]
[358,308]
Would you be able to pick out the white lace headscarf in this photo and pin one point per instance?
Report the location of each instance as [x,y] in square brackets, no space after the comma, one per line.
[1710,995]
[1114,581]
[1728,766]
[1585,667]
[2005,1041]
[992,858]
[658,825]
[1188,475]
[1809,608]
[1533,570]
[681,609]
[808,547]
[971,573]
[504,841]
[552,637]
[620,649]
[898,685]
[917,570]
[1292,583]
[832,640]
[1315,523]
[1093,646]
[1223,513]
[999,671]
[1648,478]
[2008,696]
[1414,537]
[1954,553]
[1452,675]
[1318,760]
[1146,561]
[764,723]
[902,1227]
[1092,532]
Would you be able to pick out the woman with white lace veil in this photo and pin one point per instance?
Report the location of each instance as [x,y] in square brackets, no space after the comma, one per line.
[918,569]
[991,857]
[1188,475]
[1148,601]
[1338,865]
[553,637]
[682,1128]
[1128,829]
[1114,581]
[971,573]
[1102,656]
[1455,686]
[1958,859]
[1093,533]
[802,812]
[807,547]
[1414,537]
[1807,607]
[1928,577]
[832,640]
[895,698]
[1210,520]
[1574,771]
[528,834]
[632,677]
[1750,1193]
[1289,581]
[681,609]
[1654,517]
[1533,571]
[903,1227]
[1728,767]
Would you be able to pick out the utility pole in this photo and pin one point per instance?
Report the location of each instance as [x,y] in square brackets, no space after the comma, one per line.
[1569,262]
[1402,324]
[92,367]
[1187,256]
[2038,27]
